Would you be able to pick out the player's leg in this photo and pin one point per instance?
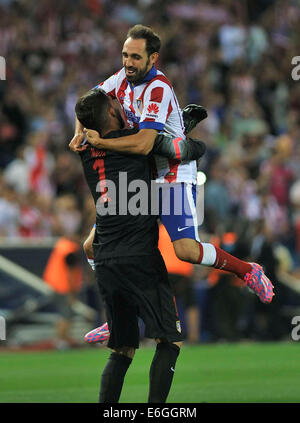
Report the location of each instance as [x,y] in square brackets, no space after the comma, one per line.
[162,323]
[162,370]
[183,231]
[196,252]
[101,333]
[123,325]
[114,372]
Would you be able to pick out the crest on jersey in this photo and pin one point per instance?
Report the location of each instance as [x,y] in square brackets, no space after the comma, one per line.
[153,109]
[178,326]
[139,104]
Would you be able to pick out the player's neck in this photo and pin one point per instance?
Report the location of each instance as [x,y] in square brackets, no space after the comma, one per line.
[113,127]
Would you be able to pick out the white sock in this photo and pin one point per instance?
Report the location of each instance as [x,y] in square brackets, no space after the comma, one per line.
[209,254]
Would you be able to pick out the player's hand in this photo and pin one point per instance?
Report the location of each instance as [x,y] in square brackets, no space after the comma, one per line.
[93,137]
[75,144]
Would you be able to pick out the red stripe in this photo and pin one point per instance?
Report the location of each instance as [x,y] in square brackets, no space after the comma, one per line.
[174,300]
[157,78]
[112,93]
[176,146]
[121,91]
[157,94]
[171,176]
[169,110]
[165,79]
[131,102]
[162,78]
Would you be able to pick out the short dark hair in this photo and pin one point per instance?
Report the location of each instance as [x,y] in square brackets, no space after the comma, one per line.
[92,109]
[153,42]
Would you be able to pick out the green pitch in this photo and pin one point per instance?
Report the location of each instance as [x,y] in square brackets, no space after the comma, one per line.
[205,373]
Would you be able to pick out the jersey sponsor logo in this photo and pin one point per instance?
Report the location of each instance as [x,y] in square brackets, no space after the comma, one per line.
[153,109]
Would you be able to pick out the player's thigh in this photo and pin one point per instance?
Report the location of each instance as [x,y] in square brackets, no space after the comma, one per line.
[121,307]
[159,311]
[178,211]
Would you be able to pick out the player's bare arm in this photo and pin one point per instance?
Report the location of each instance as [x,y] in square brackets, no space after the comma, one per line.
[75,144]
[139,143]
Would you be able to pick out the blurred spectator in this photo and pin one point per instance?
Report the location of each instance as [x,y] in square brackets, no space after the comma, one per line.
[64,274]
[16,173]
[67,213]
[227,302]
[9,212]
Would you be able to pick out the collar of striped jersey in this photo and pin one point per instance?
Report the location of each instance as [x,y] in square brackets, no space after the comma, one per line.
[148,77]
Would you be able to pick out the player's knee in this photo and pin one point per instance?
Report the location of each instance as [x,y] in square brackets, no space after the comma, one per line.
[179,344]
[127,351]
[164,341]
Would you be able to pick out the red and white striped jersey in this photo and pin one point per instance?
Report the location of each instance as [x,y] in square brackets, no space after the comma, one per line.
[152,104]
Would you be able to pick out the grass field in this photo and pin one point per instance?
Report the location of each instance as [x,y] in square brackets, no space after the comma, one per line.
[230,373]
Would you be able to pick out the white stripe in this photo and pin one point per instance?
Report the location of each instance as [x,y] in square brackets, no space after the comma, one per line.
[193,209]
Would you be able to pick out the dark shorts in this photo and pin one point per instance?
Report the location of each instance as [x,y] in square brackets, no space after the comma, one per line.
[134,287]
[184,289]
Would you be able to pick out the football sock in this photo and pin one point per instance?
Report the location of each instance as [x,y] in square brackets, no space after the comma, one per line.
[209,255]
[226,261]
[162,371]
[113,377]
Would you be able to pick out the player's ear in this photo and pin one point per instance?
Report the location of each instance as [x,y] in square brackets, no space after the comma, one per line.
[111,112]
[153,58]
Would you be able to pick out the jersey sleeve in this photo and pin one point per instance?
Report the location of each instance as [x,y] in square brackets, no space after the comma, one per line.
[157,106]
[109,85]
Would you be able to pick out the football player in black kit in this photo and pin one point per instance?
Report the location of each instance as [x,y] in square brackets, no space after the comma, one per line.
[130,271]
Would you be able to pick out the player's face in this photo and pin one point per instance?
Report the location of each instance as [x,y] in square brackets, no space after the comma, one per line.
[136,61]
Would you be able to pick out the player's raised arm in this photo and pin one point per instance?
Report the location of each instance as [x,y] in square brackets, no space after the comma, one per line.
[75,144]
[140,143]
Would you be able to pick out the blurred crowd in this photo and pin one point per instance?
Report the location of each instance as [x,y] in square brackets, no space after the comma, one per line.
[233,57]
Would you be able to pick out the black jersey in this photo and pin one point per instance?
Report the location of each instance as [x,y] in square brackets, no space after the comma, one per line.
[111,176]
